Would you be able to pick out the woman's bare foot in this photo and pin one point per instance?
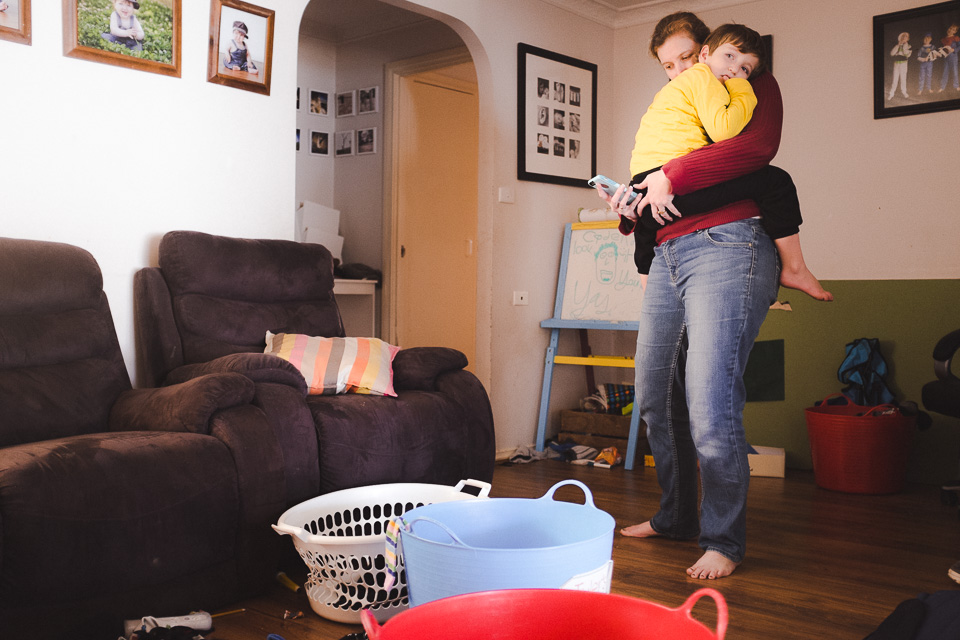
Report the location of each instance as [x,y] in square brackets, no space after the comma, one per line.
[803,280]
[642,530]
[711,566]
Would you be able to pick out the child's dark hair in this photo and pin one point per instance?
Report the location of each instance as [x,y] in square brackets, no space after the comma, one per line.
[681,22]
[743,38]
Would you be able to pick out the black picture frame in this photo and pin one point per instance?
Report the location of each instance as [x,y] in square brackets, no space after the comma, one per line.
[570,154]
[936,20]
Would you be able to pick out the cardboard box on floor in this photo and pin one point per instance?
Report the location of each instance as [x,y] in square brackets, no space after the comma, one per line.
[767,462]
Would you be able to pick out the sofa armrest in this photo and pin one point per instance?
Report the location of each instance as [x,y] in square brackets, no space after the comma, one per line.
[184,407]
[418,368]
[258,367]
[159,349]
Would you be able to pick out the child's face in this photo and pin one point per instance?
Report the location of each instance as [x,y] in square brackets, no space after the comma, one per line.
[952,30]
[726,61]
[904,38]
[239,36]
[927,39]
[123,7]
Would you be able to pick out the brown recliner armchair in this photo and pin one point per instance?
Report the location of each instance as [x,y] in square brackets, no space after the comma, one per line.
[117,503]
[207,308]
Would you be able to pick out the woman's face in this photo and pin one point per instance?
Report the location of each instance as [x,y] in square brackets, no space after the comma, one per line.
[677,54]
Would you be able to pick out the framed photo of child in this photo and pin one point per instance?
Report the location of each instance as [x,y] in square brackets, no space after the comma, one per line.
[915,58]
[241,45]
[137,34]
[369,100]
[15,21]
[319,102]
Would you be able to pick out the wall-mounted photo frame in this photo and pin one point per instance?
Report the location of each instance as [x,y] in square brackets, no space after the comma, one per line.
[915,56]
[368,100]
[346,103]
[343,143]
[143,35]
[15,21]
[241,45]
[556,117]
[366,141]
[319,143]
[319,102]
[298,98]
[298,138]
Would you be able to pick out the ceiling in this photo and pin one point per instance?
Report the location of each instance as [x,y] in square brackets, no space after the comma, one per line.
[330,20]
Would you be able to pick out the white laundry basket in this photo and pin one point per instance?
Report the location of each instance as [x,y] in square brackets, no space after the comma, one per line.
[341,537]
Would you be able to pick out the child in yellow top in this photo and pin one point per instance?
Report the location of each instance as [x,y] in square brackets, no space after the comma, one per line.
[709,102]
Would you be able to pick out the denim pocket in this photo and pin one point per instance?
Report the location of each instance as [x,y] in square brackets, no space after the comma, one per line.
[733,234]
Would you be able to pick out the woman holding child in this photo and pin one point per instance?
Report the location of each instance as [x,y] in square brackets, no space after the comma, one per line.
[712,279]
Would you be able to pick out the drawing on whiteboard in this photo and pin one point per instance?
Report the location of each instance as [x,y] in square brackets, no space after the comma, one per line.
[601,281]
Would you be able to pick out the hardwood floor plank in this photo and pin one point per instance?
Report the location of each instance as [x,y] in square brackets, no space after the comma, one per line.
[820,564]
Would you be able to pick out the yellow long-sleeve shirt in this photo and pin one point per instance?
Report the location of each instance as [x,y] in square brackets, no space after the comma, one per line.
[694,109]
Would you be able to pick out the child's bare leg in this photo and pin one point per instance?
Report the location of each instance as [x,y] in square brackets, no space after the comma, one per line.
[795,274]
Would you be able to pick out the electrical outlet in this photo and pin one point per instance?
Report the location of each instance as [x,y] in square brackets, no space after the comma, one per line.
[520,298]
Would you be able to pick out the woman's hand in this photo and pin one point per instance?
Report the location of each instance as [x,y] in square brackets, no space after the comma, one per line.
[658,197]
[618,201]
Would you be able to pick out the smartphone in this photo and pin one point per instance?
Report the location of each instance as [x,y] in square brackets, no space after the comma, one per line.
[609,186]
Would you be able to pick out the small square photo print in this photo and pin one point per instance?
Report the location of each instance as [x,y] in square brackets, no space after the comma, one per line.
[344,143]
[366,141]
[346,104]
[319,143]
[369,100]
[319,102]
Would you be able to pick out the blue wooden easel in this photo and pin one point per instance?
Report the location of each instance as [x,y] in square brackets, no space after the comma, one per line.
[575,279]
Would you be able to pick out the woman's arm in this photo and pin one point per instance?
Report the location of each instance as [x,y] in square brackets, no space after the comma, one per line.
[753,149]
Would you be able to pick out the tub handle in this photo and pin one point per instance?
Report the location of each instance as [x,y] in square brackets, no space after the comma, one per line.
[588,496]
[442,526]
[484,487]
[687,608]
[370,624]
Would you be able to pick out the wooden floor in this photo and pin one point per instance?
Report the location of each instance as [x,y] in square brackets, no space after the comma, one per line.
[819,564]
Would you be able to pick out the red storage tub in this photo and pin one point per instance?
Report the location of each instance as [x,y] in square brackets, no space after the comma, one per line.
[859,449]
[548,614]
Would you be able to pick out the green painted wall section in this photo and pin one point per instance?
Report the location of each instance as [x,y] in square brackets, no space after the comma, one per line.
[907,316]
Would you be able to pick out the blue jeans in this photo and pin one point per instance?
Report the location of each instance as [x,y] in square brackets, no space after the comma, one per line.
[707,295]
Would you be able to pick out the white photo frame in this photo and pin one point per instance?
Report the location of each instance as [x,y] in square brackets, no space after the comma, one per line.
[346,103]
[366,141]
[319,102]
[319,143]
[368,100]
[343,145]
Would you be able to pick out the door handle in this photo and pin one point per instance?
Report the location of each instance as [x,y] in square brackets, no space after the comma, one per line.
[403,251]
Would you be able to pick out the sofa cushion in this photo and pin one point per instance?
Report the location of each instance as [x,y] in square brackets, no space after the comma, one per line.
[159,505]
[227,291]
[61,367]
[338,365]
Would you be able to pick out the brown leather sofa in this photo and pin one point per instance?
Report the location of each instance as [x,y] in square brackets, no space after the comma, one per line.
[206,309]
[117,503]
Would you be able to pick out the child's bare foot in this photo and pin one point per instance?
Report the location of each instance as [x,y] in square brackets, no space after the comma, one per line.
[803,280]
[711,566]
[642,530]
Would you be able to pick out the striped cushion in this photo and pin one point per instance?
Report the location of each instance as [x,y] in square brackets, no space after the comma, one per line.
[338,365]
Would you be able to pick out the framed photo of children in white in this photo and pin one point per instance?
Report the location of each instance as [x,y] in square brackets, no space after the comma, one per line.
[15,21]
[137,34]
[241,45]
[556,117]
[915,58]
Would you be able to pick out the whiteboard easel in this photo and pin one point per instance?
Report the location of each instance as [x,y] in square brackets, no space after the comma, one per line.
[598,288]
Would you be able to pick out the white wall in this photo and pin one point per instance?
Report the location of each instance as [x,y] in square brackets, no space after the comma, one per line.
[316,70]
[221,160]
[109,158]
